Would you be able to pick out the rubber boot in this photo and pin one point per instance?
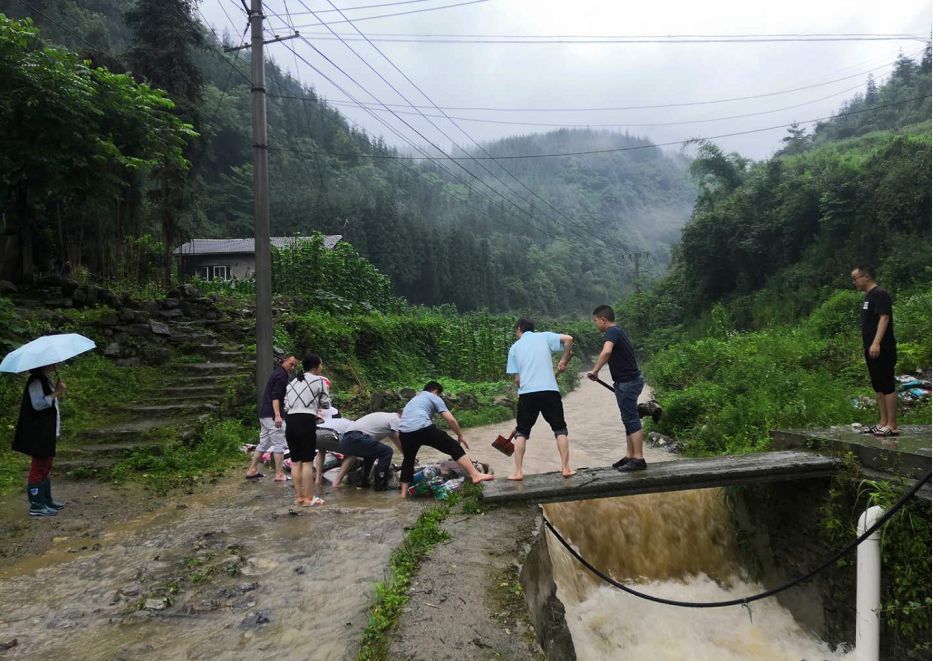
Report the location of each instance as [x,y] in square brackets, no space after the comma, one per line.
[367,472]
[47,494]
[37,506]
[381,481]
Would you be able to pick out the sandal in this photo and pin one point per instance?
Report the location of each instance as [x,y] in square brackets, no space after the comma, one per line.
[869,430]
[886,432]
[315,502]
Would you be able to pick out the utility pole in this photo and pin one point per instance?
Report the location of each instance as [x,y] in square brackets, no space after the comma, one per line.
[636,257]
[261,210]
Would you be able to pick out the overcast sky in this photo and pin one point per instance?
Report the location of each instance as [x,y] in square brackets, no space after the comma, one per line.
[596,75]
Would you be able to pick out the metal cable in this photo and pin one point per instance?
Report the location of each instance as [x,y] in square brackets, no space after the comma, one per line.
[743,601]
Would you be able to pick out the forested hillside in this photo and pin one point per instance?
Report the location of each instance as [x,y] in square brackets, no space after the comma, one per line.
[756,323]
[562,244]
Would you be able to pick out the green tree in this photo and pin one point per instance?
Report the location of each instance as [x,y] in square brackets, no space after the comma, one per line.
[67,131]
[165,36]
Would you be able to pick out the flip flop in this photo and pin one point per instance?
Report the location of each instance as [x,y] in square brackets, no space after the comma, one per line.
[315,502]
[886,432]
[254,477]
[287,478]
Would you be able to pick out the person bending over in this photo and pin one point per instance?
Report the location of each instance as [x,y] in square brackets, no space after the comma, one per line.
[416,428]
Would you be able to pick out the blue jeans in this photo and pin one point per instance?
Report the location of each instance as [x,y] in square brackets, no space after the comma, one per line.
[362,445]
[627,393]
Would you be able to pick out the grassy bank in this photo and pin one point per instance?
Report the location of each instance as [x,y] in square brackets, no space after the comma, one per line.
[722,393]
[391,594]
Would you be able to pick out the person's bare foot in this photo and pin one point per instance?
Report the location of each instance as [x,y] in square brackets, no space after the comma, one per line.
[518,477]
[568,472]
[482,477]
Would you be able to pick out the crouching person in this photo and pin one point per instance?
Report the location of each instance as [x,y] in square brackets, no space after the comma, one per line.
[362,439]
[416,429]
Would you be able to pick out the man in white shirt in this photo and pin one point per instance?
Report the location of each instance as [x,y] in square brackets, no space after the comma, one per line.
[362,439]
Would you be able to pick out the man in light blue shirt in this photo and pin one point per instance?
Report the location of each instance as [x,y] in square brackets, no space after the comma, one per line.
[530,362]
[416,429]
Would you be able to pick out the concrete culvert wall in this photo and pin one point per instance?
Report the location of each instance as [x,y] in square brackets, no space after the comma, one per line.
[545,609]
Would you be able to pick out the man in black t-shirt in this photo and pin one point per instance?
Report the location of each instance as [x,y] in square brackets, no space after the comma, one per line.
[627,382]
[880,347]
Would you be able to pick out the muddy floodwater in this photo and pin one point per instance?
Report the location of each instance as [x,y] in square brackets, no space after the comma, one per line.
[230,573]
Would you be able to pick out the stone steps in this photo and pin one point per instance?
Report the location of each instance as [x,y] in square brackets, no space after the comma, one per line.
[175,407]
[187,392]
[95,450]
[138,428]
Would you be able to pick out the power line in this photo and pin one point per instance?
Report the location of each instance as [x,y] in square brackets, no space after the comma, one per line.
[401,13]
[624,38]
[409,125]
[628,124]
[60,26]
[671,143]
[376,6]
[437,160]
[424,94]
[649,106]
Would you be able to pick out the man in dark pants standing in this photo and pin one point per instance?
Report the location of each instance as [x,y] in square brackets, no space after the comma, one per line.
[880,347]
[271,422]
[627,382]
[530,362]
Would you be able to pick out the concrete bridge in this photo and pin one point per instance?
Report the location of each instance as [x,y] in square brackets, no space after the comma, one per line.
[666,476]
[799,454]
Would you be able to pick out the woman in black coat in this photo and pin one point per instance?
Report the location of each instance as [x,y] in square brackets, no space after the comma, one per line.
[37,432]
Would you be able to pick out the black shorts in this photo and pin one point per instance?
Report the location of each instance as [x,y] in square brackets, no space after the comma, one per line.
[300,434]
[430,436]
[881,370]
[546,402]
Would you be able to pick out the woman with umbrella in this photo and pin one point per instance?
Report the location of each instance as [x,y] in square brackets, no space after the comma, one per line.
[37,433]
[39,424]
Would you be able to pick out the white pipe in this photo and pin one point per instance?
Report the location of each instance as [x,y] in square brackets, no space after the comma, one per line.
[868,589]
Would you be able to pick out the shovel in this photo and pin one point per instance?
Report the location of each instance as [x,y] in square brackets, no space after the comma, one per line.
[505,445]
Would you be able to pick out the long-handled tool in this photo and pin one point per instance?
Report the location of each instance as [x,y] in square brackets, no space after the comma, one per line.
[604,384]
[651,408]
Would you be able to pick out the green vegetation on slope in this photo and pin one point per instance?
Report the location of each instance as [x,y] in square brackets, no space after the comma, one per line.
[436,239]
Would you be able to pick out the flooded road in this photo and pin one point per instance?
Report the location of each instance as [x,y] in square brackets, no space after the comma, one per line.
[230,575]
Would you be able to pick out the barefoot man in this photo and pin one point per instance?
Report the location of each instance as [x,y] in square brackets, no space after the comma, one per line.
[416,428]
[530,362]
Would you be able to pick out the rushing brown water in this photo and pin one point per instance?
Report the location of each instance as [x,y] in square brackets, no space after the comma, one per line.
[674,545]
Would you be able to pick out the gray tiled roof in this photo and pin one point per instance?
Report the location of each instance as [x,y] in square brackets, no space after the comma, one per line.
[239,246]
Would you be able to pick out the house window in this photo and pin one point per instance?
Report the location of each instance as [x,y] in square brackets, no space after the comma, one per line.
[204,272]
[221,273]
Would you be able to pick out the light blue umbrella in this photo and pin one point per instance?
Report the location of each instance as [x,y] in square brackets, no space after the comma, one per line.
[46,350]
